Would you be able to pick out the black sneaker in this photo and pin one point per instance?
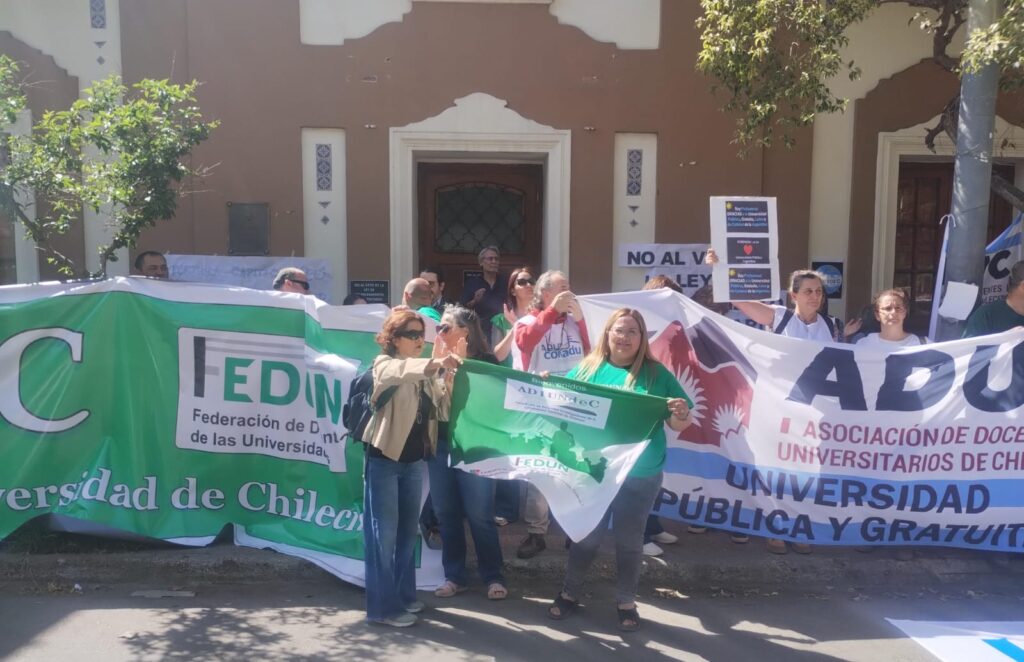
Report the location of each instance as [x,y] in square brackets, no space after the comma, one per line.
[532,545]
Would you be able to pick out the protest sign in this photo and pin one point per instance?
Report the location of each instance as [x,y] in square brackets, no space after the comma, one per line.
[254,272]
[745,235]
[170,409]
[576,442]
[684,263]
[826,444]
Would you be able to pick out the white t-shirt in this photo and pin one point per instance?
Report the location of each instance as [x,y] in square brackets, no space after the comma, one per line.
[796,328]
[875,341]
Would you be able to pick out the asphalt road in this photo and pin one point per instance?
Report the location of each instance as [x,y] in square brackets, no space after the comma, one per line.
[324,620]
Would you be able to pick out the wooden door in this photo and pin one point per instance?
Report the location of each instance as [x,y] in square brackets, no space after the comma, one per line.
[925,196]
[464,207]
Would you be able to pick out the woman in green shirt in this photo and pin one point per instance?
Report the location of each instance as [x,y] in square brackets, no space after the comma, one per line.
[622,359]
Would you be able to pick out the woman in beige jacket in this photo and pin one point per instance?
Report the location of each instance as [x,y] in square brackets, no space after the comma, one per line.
[403,432]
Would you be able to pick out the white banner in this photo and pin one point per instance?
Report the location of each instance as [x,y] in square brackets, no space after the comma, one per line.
[254,272]
[836,444]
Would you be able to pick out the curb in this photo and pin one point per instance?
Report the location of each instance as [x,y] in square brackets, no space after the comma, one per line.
[696,564]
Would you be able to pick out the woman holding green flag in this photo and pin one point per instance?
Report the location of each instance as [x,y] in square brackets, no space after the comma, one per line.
[401,434]
[622,359]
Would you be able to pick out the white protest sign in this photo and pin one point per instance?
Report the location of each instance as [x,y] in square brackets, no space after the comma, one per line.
[745,235]
[684,263]
[251,271]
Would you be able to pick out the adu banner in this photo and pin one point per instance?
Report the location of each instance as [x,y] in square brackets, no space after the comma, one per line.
[835,444]
[169,410]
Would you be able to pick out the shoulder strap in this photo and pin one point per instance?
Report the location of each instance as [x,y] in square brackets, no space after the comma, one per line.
[831,324]
[786,316]
[384,397]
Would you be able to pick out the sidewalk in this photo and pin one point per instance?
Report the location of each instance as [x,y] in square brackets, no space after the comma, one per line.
[708,562]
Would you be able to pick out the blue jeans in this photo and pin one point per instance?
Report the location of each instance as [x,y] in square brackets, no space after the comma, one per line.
[506,499]
[459,495]
[391,510]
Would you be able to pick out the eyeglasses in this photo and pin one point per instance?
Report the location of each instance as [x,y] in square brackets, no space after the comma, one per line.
[893,309]
[303,283]
[444,328]
[523,282]
[409,334]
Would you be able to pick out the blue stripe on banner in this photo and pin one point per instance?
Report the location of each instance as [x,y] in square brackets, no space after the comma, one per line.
[1005,493]
[1007,648]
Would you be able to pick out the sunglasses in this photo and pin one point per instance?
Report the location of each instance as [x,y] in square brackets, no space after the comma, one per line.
[523,282]
[444,328]
[409,334]
[303,283]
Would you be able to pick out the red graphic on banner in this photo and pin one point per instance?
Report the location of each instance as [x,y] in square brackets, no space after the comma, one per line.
[715,375]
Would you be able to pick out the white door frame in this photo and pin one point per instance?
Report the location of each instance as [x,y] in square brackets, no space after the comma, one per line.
[908,145]
[480,128]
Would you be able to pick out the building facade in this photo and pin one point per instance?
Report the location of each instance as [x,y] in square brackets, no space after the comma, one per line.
[386,134]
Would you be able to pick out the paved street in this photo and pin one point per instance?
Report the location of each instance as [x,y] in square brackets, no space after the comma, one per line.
[323,619]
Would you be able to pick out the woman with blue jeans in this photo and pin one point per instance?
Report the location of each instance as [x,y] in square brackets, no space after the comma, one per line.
[401,434]
[459,495]
[622,359]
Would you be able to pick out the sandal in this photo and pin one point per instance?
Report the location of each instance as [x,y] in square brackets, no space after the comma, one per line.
[564,607]
[629,619]
[496,591]
[449,589]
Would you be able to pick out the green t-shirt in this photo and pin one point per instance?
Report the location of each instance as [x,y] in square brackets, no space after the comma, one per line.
[431,312]
[993,317]
[662,384]
[499,327]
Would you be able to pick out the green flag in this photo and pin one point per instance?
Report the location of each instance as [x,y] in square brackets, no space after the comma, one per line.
[575,441]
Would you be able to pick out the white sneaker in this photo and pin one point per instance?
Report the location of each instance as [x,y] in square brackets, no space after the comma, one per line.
[665,538]
[651,549]
[403,620]
[415,607]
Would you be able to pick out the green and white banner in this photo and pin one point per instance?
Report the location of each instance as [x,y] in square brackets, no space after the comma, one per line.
[576,442]
[169,410]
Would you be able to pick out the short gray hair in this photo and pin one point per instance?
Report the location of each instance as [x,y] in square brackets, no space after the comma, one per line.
[480,255]
[543,285]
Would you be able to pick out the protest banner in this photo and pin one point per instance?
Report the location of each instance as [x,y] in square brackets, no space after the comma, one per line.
[745,235]
[1004,251]
[254,272]
[836,444]
[169,410]
[576,442]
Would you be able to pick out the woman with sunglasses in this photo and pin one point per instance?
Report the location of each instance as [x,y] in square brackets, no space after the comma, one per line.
[518,298]
[401,434]
[458,495]
[622,359]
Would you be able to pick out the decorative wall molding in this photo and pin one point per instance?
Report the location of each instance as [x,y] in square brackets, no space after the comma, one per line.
[324,206]
[478,127]
[908,145]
